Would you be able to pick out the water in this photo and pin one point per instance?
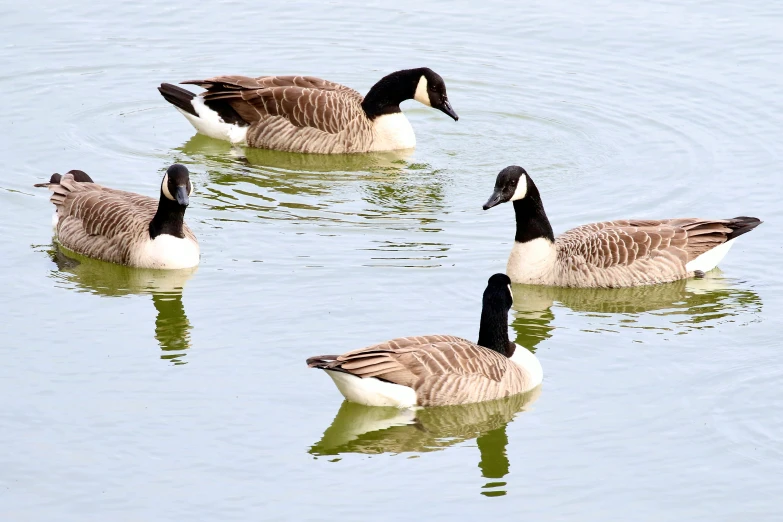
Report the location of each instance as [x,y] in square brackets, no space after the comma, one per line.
[129,396]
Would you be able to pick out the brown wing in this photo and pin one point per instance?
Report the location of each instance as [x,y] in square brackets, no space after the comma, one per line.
[304,101]
[613,243]
[621,243]
[440,369]
[100,222]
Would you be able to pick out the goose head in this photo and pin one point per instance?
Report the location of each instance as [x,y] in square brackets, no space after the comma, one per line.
[512,184]
[176,185]
[423,85]
[431,91]
[497,301]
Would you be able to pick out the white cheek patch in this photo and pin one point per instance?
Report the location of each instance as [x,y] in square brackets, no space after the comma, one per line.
[521,190]
[164,187]
[191,190]
[422,96]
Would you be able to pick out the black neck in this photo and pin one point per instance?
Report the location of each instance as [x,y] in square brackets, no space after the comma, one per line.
[532,222]
[386,96]
[169,219]
[493,331]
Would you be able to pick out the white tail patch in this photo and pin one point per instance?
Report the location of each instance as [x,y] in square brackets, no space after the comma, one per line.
[421,95]
[372,391]
[710,259]
[526,360]
[211,124]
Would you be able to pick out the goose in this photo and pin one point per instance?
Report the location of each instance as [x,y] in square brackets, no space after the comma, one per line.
[307,114]
[609,254]
[439,370]
[123,227]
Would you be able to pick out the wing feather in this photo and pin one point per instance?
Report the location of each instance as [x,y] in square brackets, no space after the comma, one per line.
[441,369]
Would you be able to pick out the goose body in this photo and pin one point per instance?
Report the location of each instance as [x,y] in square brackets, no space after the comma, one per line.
[124,227]
[308,114]
[609,254]
[439,370]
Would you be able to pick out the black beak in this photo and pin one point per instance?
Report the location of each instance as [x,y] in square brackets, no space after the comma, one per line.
[182,196]
[446,108]
[494,200]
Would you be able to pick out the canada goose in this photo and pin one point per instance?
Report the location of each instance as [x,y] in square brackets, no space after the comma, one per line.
[123,227]
[609,254]
[439,370]
[307,114]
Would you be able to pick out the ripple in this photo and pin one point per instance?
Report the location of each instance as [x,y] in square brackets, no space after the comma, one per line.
[743,406]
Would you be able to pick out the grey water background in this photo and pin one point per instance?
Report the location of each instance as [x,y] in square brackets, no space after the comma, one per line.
[128,395]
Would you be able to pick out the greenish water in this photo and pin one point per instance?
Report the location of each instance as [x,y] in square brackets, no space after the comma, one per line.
[135,395]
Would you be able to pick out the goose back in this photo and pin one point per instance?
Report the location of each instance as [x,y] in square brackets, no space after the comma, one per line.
[440,369]
[639,252]
[292,113]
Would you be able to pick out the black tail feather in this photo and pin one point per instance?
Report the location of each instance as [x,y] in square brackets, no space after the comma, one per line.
[321,361]
[78,175]
[742,224]
[178,97]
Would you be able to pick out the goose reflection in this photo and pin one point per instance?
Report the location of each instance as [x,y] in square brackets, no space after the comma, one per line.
[372,430]
[683,305]
[172,327]
[373,190]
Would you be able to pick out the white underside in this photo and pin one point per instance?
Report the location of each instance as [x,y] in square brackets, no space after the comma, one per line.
[372,392]
[166,252]
[392,132]
[55,220]
[211,124]
[375,392]
[710,259]
[532,262]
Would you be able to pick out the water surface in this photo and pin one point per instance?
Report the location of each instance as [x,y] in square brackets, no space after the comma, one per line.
[134,396]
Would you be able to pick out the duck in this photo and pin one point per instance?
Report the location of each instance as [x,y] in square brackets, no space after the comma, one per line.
[123,227]
[439,370]
[609,254]
[307,114]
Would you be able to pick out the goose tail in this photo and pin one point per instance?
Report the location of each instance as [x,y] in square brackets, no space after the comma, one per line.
[741,225]
[322,362]
[178,97]
[78,175]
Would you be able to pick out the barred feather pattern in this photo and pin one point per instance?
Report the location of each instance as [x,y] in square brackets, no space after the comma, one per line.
[442,369]
[634,252]
[101,222]
[295,113]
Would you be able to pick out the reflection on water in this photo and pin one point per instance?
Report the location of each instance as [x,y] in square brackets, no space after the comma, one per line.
[373,430]
[172,328]
[673,308]
[331,192]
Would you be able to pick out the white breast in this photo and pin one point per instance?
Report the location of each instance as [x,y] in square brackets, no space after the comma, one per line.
[392,132]
[530,363]
[166,252]
[532,262]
